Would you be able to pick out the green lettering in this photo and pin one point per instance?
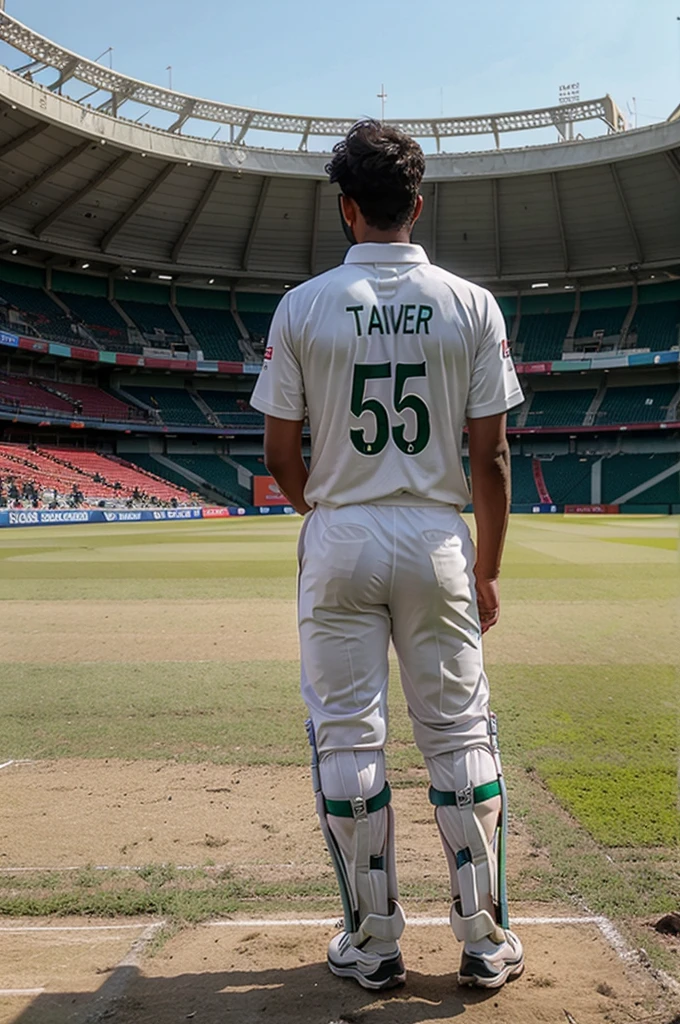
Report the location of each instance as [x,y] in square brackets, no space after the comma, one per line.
[396,324]
[386,320]
[356,310]
[409,314]
[424,317]
[375,323]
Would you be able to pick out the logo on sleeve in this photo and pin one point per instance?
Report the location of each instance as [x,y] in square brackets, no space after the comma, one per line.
[269,352]
[505,348]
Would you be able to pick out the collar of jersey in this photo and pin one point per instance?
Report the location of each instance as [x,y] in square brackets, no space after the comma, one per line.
[386,252]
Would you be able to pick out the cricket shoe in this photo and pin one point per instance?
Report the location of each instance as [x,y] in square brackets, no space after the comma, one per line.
[489,964]
[372,969]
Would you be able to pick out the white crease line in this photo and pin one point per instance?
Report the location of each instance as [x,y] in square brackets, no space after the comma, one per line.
[427,922]
[132,867]
[69,927]
[14,760]
[21,991]
[297,922]
[613,936]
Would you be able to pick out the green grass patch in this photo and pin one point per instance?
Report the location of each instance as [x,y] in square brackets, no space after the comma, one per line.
[590,750]
[666,543]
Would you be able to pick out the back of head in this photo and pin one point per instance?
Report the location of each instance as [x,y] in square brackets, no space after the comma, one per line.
[381,168]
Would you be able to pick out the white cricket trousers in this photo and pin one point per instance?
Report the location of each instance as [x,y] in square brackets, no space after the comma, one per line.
[371,573]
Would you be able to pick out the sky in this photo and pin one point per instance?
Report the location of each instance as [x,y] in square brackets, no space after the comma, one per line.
[434,57]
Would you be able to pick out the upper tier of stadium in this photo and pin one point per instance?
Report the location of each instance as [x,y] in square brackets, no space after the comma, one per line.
[83,181]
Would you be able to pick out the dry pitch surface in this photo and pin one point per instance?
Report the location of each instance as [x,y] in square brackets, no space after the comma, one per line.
[149,687]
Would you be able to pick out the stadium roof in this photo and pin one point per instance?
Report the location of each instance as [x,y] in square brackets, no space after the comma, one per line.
[80,184]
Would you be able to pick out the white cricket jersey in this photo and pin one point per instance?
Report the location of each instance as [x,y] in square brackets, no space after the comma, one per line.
[388,355]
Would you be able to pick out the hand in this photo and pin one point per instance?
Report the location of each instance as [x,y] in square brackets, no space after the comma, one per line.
[488,603]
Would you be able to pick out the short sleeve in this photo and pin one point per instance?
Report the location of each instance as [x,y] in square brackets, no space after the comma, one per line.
[280,390]
[494,387]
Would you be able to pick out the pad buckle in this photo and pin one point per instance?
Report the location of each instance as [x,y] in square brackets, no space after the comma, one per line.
[464,797]
[358,805]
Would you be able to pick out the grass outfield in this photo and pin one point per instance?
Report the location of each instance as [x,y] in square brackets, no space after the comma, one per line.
[177,641]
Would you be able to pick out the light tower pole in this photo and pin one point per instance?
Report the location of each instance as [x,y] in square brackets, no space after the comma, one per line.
[382,96]
[568,94]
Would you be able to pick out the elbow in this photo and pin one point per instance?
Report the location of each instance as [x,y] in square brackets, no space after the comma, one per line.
[274,461]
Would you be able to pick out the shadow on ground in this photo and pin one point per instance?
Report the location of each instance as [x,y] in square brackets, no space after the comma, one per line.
[304,995]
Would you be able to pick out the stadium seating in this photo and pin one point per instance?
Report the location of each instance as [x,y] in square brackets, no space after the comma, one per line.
[257,324]
[215,331]
[622,473]
[215,471]
[232,409]
[60,397]
[254,463]
[152,316]
[645,403]
[523,485]
[59,469]
[151,465]
[609,320]
[559,408]
[99,316]
[657,326]
[18,392]
[175,405]
[568,478]
[41,313]
[515,414]
[541,336]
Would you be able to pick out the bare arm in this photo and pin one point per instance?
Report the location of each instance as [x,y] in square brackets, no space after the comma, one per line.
[283,458]
[490,472]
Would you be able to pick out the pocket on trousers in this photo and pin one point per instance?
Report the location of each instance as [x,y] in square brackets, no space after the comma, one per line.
[342,547]
[448,563]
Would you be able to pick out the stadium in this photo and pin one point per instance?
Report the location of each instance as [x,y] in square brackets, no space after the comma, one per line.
[140,265]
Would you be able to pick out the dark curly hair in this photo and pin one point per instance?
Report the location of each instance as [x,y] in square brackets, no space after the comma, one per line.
[381,168]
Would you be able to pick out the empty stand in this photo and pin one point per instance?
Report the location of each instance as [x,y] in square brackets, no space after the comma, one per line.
[55,396]
[254,463]
[622,473]
[523,484]
[17,392]
[559,408]
[150,464]
[215,331]
[175,405]
[215,471]
[40,312]
[657,326]
[91,401]
[542,336]
[99,316]
[152,316]
[232,409]
[568,479]
[257,324]
[608,320]
[644,403]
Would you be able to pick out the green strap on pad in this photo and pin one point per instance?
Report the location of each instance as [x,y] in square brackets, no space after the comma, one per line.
[343,808]
[442,798]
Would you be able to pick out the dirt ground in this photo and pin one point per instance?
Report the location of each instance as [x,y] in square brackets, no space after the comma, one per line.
[261,823]
[213,974]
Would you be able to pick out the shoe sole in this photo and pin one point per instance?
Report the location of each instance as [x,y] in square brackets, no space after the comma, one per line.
[510,971]
[366,981]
